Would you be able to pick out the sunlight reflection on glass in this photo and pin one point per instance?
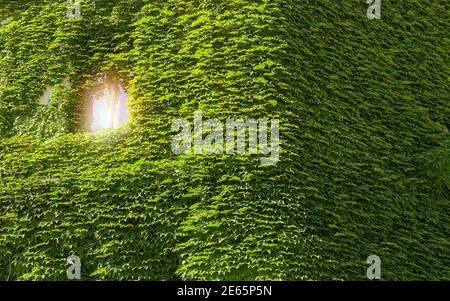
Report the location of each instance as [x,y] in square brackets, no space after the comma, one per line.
[110,109]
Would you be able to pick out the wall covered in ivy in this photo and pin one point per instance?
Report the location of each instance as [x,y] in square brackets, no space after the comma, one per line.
[364,108]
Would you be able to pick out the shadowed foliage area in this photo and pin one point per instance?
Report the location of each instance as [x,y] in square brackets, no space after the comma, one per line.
[364,109]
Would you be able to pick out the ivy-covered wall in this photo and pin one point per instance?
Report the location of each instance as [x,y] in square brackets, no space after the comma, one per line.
[364,109]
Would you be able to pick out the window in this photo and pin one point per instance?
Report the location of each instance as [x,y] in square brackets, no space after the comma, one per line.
[109,107]
[6,21]
[44,100]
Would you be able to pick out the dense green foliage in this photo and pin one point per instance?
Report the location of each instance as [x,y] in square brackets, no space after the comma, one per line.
[365,164]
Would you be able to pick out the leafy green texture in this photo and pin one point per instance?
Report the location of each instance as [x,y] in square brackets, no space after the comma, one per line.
[364,108]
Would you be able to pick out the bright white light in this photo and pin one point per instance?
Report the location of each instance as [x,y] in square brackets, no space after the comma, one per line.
[109,109]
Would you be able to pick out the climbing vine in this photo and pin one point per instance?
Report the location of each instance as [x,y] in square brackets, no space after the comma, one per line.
[364,113]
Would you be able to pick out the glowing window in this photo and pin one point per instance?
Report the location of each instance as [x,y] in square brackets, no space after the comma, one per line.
[109,108]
